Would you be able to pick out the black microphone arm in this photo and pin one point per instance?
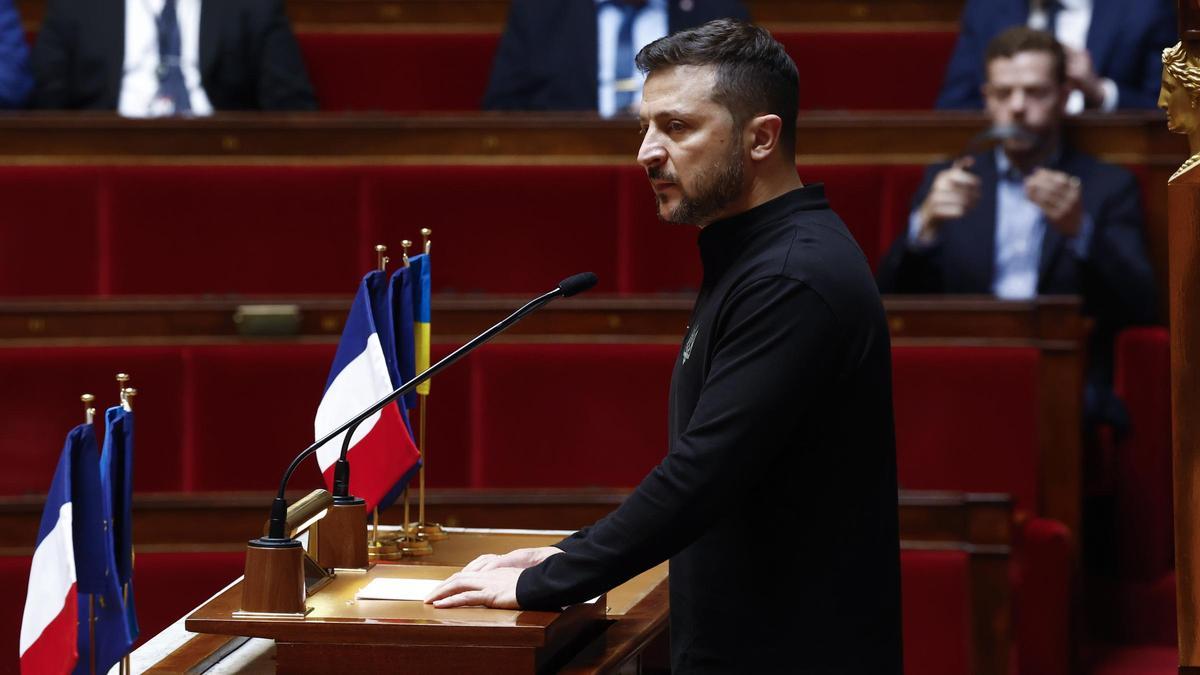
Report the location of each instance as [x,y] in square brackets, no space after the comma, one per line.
[566,288]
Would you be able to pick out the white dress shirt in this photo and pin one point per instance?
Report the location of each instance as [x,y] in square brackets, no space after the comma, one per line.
[1071,28]
[650,25]
[139,77]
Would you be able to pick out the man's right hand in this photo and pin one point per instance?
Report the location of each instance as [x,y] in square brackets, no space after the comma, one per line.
[520,558]
[954,192]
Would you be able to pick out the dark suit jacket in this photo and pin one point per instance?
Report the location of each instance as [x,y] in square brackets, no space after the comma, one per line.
[1115,280]
[1125,38]
[249,59]
[547,56]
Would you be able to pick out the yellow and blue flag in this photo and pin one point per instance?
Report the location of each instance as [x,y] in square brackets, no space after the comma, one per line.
[419,268]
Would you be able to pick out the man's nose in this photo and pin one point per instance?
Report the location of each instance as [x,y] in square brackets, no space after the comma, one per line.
[652,153]
[1017,102]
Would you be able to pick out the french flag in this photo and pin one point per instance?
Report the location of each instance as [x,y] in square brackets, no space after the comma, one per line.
[381,449]
[50,623]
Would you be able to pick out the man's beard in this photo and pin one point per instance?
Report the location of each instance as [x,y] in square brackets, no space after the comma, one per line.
[715,188]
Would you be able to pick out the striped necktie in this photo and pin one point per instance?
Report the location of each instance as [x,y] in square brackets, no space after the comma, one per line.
[171,86]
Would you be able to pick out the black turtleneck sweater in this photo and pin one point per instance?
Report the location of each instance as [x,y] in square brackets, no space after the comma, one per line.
[776,502]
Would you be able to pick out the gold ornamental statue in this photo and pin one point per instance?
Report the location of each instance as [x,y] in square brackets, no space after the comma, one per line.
[1180,92]
[1180,96]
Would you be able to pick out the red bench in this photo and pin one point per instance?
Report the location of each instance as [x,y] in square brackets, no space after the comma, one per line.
[287,230]
[405,72]
[1144,509]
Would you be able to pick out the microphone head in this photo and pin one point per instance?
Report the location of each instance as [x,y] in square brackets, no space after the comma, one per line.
[577,283]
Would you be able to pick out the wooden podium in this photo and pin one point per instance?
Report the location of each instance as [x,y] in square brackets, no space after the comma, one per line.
[342,634]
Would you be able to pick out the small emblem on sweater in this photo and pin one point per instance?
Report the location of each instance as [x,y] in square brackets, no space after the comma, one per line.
[691,341]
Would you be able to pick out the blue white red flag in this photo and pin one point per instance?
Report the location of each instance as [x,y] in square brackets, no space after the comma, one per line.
[381,449]
[50,621]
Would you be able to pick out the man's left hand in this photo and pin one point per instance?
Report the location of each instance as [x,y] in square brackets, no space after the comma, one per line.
[494,588]
[1059,196]
[1082,75]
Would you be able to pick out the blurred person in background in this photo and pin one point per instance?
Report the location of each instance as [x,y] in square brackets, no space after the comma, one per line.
[1113,49]
[1034,216]
[578,54]
[15,80]
[152,58]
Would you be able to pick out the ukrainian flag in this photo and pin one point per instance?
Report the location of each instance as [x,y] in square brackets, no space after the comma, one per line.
[419,270]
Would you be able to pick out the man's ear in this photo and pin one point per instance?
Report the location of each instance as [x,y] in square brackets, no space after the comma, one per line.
[764,132]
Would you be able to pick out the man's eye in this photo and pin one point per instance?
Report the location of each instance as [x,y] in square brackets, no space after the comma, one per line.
[642,130]
[675,125]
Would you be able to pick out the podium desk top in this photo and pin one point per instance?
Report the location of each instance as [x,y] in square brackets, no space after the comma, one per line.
[336,619]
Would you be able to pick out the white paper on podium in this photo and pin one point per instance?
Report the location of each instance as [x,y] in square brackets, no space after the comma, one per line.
[397,589]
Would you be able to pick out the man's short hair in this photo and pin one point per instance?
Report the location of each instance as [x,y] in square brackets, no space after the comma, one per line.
[1024,39]
[755,75]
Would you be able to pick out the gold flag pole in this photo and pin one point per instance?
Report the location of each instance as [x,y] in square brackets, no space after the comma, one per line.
[381,547]
[127,394]
[425,529]
[411,543]
[89,416]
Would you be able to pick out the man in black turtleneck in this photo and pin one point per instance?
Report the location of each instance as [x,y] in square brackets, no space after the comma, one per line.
[776,502]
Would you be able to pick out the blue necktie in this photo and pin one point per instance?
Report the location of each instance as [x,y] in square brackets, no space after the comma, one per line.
[170,76]
[624,70]
[1052,8]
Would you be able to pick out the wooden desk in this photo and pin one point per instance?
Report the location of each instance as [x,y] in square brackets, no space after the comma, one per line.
[978,525]
[342,634]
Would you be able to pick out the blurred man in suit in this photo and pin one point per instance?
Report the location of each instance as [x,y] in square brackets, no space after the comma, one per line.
[1113,48]
[1034,216]
[15,80]
[578,54]
[780,415]
[148,58]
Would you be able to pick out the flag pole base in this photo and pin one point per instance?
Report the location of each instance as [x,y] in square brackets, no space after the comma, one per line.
[274,581]
[342,536]
[382,549]
[430,531]
[415,546]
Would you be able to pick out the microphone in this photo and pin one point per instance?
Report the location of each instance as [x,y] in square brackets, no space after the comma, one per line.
[572,285]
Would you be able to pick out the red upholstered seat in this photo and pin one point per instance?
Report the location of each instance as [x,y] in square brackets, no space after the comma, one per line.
[50,242]
[40,404]
[502,229]
[1142,379]
[410,71]
[14,578]
[568,415]
[936,588]
[833,65]
[966,419]
[250,230]
[169,585]
[399,72]
[253,408]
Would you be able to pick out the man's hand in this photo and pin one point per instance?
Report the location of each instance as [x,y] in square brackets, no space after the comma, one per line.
[489,580]
[520,558]
[954,192]
[1081,73]
[494,588]
[1059,196]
